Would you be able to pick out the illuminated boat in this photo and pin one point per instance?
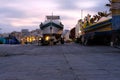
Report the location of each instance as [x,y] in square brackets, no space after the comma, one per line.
[52,30]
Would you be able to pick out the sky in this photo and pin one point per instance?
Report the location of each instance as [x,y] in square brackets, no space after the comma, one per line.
[28,14]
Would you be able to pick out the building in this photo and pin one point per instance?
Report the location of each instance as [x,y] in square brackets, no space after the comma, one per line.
[25,32]
[36,32]
[66,34]
[77,29]
[30,36]
[16,34]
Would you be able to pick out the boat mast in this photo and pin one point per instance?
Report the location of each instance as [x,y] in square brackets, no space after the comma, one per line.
[51,30]
[51,24]
[81,13]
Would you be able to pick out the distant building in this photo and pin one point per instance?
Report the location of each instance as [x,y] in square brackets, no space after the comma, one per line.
[25,36]
[4,35]
[36,32]
[30,36]
[16,34]
[25,32]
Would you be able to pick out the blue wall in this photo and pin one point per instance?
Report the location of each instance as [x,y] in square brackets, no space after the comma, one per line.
[116,22]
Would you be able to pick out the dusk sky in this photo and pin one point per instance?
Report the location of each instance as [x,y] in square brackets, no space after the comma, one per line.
[28,14]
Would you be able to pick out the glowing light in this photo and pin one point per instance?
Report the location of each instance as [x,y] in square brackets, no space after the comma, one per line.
[39,38]
[79,31]
[47,38]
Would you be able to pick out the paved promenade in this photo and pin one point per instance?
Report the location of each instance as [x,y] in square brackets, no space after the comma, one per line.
[59,62]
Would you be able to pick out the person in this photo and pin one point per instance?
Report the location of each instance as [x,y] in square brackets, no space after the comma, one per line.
[62,40]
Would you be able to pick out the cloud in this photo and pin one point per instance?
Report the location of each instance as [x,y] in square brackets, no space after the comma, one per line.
[25,22]
[64,17]
[29,13]
[94,5]
[7,27]
[67,4]
[8,12]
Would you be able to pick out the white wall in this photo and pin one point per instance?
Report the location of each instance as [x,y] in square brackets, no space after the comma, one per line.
[77,30]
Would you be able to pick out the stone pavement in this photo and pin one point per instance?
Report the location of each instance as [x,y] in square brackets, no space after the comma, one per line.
[59,62]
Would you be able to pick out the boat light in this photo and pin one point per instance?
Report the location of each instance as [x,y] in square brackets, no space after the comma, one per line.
[47,38]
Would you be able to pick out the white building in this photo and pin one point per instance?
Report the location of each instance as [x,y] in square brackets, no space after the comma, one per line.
[77,30]
[36,32]
[66,34]
[4,35]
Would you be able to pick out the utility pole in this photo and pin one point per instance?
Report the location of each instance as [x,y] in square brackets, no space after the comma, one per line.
[51,30]
[81,13]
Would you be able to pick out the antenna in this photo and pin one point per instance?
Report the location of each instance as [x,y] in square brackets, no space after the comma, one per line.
[51,24]
[52,15]
[81,13]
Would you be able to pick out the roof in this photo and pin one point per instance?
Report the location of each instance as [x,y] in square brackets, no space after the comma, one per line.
[104,19]
[100,24]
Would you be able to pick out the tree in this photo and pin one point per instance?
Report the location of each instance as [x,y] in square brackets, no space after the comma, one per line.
[109,5]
